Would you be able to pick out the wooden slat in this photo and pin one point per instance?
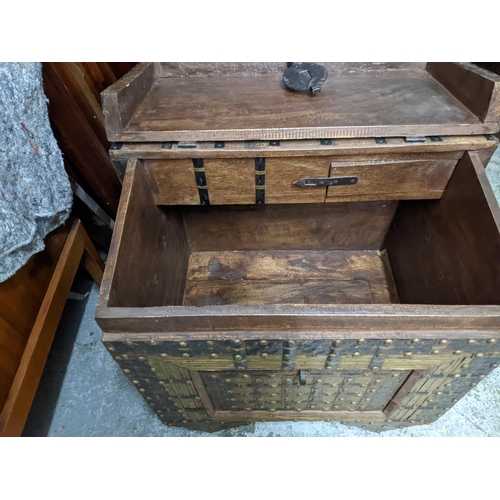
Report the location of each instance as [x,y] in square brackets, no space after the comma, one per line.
[262,292]
[338,265]
[308,320]
[202,392]
[73,78]
[287,278]
[20,303]
[242,416]
[212,69]
[78,139]
[11,349]
[360,226]
[403,391]
[447,252]
[308,147]
[25,383]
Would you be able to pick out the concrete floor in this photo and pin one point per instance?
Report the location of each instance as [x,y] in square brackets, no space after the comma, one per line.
[84,393]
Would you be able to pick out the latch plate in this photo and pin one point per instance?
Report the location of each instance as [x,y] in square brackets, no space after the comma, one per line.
[326,181]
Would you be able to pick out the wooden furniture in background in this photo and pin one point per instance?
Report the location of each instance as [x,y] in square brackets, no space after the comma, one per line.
[32,303]
[232,294]
[78,123]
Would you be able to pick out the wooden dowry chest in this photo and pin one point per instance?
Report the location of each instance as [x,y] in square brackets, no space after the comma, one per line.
[285,256]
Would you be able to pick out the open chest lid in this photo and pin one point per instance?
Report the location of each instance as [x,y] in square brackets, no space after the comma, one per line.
[158,102]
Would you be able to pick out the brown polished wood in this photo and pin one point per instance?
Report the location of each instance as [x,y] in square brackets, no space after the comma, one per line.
[144,106]
[35,349]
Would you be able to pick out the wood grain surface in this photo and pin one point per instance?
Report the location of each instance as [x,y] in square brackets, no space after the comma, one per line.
[447,252]
[230,181]
[231,107]
[27,376]
[305,147]
[149,247]
[20,305]
[282,277]
[353,226]
[391,179]
[211,69]
[173,182]
[476,88]
[281,173]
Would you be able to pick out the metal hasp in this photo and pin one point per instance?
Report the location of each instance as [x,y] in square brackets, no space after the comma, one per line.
[326,181]
[305,76]
[302,377]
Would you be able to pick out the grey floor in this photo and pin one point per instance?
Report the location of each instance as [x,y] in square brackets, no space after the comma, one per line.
[84,393]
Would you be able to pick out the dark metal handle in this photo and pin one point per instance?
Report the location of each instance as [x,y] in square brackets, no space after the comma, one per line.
[326,181]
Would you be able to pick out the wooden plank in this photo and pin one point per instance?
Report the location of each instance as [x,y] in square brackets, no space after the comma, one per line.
[149,251]
[11,349]
[308,320]
[173,182]
[230,181]
[284,265]
[305,147]
[120,100]
[25,383]
[359,226]
[281,173]
[20,303]
[212,69]
[285,415]
[79,141]
[143,335]
[254,278]
[403,391]
[202,392]
[447,252]
[73,78]
[391,179]
[400,103]
[476,88]
[263,292]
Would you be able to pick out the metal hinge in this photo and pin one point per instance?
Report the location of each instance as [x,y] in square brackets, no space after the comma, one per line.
[186,145]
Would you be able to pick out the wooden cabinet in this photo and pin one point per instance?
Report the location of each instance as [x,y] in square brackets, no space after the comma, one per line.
[234,293]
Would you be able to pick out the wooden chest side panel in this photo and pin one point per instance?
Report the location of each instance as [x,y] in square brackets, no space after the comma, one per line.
[375,382]
[151,248]
[355,226]
[447,251]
